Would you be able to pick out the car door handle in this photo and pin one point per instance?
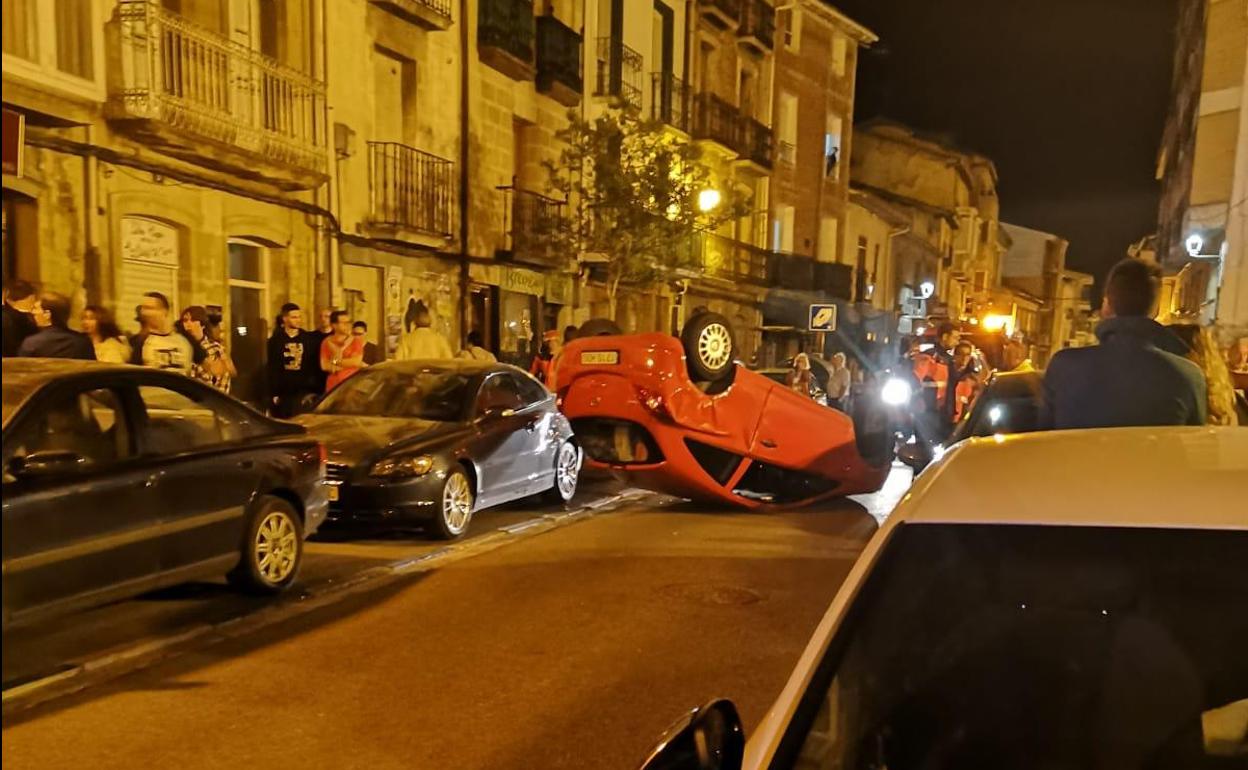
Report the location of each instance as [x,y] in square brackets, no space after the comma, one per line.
[768,443]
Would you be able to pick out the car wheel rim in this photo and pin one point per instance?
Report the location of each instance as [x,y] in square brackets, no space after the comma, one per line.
[715,346]
[456,504]
[566,471]
[276,547]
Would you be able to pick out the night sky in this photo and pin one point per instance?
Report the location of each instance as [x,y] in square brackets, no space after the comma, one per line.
[1068,97]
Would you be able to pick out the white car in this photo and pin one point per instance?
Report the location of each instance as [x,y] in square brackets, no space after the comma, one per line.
[1074,599]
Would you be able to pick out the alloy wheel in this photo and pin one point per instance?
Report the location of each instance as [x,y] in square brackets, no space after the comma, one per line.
[715,346]
[276,547]
[456,503]
[566,470]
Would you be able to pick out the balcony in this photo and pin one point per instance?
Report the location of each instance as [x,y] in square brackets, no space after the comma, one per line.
[834,279]
[716,120]
[722,13]
[757,32]
[209,100]
[558,61]
[505,32]
[532,226]
[670,101]
[731,260]
[410,192]
[430,14]
[791,271]
[619,72]
[757,145]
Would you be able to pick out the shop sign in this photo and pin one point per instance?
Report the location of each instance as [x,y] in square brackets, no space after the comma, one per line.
[559,289]
[523,281]
[14,136]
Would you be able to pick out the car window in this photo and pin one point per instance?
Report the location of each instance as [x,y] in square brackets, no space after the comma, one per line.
[1006,415]
[500,392]
[178,420]
[530,389]
[429,394]
[88,423]
[1027,645]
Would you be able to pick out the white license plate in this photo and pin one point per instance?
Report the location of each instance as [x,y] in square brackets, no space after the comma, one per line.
[600,357]
[333,493]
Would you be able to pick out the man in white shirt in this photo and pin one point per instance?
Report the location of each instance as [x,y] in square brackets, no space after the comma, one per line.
[839,382]
[159,345]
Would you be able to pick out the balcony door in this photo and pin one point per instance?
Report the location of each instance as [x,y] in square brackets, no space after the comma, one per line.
[248,317]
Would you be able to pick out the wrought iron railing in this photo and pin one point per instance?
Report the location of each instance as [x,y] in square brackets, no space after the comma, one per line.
[507,25]
[558,55]
[730,259]
[729,9]
[619,71]
[410,188]
[756,142]
[670,100]
[170,70]
[758,22]
[431,13]
[532,225]
[716,119]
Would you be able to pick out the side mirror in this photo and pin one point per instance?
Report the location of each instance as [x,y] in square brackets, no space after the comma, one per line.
[708,738]
[50,462]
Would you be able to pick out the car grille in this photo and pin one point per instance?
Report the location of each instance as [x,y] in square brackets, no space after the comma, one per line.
[336,473]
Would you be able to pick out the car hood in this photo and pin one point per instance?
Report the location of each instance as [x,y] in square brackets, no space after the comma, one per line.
[351,439]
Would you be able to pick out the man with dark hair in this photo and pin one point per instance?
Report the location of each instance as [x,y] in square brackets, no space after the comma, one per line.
[1130,378]
[19,301]
[342,353]
[159,345]
[293,363]
[55,339]
[371,354]
[474,348]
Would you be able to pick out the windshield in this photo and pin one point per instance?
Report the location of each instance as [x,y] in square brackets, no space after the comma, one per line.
[1030,647]
[14,393]
[425,395]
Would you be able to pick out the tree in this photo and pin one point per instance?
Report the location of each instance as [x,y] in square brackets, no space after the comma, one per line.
[634,187]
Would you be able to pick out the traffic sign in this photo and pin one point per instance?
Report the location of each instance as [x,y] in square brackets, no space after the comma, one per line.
[822,318]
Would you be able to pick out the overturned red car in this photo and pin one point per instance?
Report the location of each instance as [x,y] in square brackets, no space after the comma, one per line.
[682,417]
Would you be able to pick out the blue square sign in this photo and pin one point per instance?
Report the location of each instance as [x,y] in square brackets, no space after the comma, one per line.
[822,318]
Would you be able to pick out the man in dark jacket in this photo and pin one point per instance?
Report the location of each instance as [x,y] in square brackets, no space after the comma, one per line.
[55,339]
[1130,378]
[19,300]
[294,364]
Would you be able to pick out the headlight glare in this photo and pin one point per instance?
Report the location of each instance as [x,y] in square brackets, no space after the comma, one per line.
[896,392]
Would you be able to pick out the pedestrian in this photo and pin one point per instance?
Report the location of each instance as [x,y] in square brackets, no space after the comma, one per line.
[371,354]
[1129,378]
[839,383]
[324,328]
[1203,351]
[965,381]
[19,323]
[159,345]
[342,353]
[474,350]
[542,363]
[54,338]
[293,365]
[209,361]
[110,344]
[1014,356]
[799,379]
[422,343]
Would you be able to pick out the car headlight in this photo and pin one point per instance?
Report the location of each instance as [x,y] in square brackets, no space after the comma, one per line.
[402,466]
[896,392]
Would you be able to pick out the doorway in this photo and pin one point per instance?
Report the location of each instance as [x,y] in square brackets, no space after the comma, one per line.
[248,321]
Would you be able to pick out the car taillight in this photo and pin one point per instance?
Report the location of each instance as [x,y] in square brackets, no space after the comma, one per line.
[323,454]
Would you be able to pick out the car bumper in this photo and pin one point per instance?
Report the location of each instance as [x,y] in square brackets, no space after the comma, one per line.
[374,501]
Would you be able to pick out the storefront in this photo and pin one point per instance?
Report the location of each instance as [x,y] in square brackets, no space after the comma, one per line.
[383,289]
[513,307]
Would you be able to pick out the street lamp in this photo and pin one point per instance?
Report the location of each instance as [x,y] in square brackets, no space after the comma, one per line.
[927,289]
[708,200]
[1194,244]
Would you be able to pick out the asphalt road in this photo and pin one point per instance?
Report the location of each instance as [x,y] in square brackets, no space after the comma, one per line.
[570,649]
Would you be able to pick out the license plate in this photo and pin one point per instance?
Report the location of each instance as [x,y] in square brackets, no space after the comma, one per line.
[601,357]
[333,493]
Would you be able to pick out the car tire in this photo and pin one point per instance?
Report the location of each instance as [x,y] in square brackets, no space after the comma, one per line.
[873,430]
[567,461]
[599,327]
[454,506]
[272,548]
[709,347]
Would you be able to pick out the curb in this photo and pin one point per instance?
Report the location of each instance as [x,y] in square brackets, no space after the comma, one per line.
[111,665]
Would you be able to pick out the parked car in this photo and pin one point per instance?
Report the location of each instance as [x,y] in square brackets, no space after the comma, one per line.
[683,417]
[1089,612]
[119,480]
[433,442]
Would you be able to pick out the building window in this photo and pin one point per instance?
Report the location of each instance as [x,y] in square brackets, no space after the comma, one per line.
[150,258]
[248,316]
[981,280]
[55,41]
[828,246]
[782,228]
[786,125]
[74,51]
[789,20]
[840,53]
[21,29]
[832,148]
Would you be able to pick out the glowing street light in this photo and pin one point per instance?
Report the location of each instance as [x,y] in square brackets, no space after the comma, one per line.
[996,323]
[1194,244]
[708,200]
[927,289]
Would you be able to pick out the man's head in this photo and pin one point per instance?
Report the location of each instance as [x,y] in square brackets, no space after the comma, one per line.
[52,309]
[947,336]
[292,317]
[326,318]
[20,294]
[569,334]
[962,354]
[340,322]
[1131,289]
[421,317]
[154,311]
[474,339]
[1013,353]
[359,329]
[838,360]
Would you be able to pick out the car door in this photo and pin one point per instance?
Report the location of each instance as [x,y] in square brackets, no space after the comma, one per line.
[207,468]
[88,528]
[502,446]
[543,438]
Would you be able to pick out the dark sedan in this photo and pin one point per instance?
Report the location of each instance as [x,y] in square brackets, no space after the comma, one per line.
[432,442]
[119,480]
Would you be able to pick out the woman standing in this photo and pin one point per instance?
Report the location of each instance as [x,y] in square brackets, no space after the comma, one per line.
[209,362]
[800,379]
[99,325]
